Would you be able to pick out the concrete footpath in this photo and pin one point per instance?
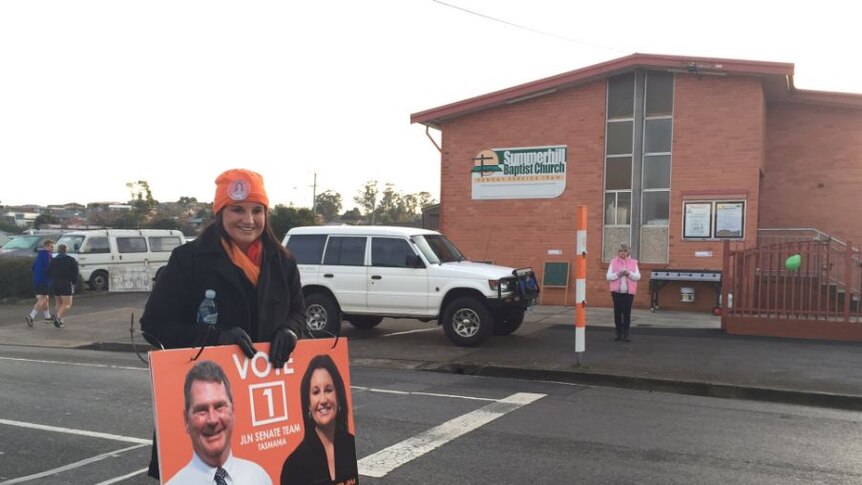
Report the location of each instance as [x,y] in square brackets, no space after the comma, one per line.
[669,351]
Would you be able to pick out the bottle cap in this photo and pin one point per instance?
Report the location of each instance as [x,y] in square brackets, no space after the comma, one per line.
[210,294]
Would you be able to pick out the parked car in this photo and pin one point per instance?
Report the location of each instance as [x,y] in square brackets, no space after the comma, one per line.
[26,245]
[364,273]
[99,252]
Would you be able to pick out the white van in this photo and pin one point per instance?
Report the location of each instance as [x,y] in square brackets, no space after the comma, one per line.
[108,254]
[364,273]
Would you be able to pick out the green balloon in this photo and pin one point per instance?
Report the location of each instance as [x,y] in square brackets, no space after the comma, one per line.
[793,262]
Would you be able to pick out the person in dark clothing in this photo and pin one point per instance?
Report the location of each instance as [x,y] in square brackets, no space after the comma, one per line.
[327,453]
[63,273]
[42,283]
[256,281]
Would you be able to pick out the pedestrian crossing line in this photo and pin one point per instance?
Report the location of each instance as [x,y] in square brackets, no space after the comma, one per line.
[379,464]
[79,432]
[419,393]
[120,479]
[79,364]
[70,466]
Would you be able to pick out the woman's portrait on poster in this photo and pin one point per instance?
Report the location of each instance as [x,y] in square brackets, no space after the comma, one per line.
[327,454]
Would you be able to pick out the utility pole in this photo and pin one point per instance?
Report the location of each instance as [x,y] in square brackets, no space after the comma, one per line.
[314,199]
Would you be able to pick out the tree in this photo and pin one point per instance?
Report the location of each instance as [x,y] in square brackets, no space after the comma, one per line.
[366,198]
[44,219]
[328,205]
[353,216]
[9,227]
[142,202]
[165,223]
[388,207]
[283,219]
[424,199]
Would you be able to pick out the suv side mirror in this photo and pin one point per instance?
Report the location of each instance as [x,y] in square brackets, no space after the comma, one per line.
[414,261]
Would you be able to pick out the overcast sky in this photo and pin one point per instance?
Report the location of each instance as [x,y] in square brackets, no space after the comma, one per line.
[95,94]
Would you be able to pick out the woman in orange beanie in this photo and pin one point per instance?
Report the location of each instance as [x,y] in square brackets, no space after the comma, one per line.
[258,293]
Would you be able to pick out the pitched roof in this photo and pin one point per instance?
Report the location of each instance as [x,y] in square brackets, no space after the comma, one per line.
[777,81]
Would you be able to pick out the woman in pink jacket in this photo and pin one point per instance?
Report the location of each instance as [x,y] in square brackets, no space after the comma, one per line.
[623,274]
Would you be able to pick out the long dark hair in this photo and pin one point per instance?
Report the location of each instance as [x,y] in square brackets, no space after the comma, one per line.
[271,244]
[323,361]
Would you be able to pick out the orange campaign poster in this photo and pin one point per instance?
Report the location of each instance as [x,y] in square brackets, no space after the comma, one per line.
[224,418]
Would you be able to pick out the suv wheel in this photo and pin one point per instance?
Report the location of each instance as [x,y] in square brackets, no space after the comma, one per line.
[508,322]
[467,322]
[364,322]
[322,317]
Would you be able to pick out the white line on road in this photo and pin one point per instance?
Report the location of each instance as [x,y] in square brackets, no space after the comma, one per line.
[384,461]
[417,393]
[79,432]
[411,331]
[120,479]
[70,466]
[80,364]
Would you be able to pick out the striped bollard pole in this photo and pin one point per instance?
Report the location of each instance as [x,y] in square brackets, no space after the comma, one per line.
[581,282]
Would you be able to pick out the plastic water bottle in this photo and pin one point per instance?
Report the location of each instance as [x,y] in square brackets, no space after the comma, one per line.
[207,312]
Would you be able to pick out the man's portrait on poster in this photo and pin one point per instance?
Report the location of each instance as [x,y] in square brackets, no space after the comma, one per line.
[209,420]
[327,453]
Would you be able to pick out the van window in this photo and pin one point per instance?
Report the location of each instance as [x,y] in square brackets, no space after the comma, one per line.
[96,245]
[131,244]
[390,252]
[73,243]
[163,244]
[345,251]
[307,249]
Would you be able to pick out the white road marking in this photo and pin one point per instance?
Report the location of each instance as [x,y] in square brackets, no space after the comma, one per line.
[120,479]
[411,331]
[70,466]
[417,393]
[79,364]
[79,432]
[384,461]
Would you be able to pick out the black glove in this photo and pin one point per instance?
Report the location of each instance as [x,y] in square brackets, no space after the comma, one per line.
[283,343]
[236,335]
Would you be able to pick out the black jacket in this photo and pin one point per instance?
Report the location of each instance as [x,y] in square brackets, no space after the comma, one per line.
[170,315]
[63,269]
[307,464]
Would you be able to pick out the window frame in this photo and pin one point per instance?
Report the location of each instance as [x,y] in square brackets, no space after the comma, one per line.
[713,219]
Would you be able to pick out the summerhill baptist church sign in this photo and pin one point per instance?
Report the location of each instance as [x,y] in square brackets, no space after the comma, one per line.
[519,173]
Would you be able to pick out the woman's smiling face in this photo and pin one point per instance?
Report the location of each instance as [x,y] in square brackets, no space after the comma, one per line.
[244,222]
[323,401]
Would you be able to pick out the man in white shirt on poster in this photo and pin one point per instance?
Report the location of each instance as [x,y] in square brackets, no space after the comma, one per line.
[209,419]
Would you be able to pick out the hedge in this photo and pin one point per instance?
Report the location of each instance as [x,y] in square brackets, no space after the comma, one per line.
[16,278]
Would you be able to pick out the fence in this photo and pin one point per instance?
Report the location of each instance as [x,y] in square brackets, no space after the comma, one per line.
[820,299]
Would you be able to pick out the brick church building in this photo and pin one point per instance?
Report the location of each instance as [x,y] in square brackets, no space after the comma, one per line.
[673,155]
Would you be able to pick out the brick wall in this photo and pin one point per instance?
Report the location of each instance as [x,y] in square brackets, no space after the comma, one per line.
[813,175]
[718,148]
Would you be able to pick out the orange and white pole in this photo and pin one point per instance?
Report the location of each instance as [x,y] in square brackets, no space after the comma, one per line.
[581,281]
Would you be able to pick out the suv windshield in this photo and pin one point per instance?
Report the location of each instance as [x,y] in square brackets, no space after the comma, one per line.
[437,249]
[22,242]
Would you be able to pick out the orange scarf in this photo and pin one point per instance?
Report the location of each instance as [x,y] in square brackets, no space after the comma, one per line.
[249,262]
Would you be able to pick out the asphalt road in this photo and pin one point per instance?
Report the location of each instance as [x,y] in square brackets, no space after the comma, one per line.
[54,402]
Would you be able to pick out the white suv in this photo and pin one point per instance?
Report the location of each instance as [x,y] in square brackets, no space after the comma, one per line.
[364,273]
